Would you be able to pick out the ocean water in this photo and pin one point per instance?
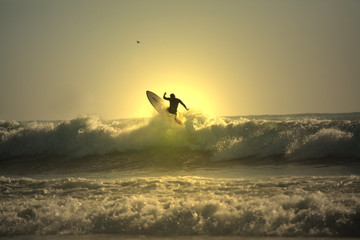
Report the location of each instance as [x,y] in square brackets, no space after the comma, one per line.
[244,177]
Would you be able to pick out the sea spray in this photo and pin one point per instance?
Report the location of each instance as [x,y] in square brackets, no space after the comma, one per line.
[224,138]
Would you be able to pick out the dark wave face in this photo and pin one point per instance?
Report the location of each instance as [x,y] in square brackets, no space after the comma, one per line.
[203,140]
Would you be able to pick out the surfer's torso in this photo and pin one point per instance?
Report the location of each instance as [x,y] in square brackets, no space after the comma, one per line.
[174,103]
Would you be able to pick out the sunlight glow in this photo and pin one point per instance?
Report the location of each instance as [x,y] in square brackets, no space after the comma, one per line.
[196,95]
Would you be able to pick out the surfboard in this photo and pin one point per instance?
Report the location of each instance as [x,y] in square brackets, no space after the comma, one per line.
[157,102]
[160,105]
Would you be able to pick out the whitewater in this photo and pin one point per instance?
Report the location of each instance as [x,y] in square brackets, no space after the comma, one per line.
[214,177]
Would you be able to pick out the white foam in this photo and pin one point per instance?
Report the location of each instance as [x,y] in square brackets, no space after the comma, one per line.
[162,206]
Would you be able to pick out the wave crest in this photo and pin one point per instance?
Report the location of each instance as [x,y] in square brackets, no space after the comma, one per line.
[224,138]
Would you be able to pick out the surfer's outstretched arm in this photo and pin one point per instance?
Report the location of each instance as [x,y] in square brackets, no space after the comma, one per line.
[165,97]
[184,105]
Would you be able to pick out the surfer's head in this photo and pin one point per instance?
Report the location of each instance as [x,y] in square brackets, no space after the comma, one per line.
[172,95]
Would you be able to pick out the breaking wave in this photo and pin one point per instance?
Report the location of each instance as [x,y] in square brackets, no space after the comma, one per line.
[290,137]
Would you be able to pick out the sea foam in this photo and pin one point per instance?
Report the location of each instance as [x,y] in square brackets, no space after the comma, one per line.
[168,206]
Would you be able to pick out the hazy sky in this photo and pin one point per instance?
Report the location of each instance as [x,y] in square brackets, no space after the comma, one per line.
[60,59]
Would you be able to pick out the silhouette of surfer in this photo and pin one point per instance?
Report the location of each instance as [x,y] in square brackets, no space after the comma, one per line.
[174,103]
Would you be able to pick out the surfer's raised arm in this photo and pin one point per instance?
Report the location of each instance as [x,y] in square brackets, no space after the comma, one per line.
[166,98]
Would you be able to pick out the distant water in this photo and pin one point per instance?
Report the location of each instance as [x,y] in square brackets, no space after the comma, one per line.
[249,176]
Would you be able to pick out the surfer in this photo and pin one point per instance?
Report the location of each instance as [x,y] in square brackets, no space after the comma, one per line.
[174,102]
